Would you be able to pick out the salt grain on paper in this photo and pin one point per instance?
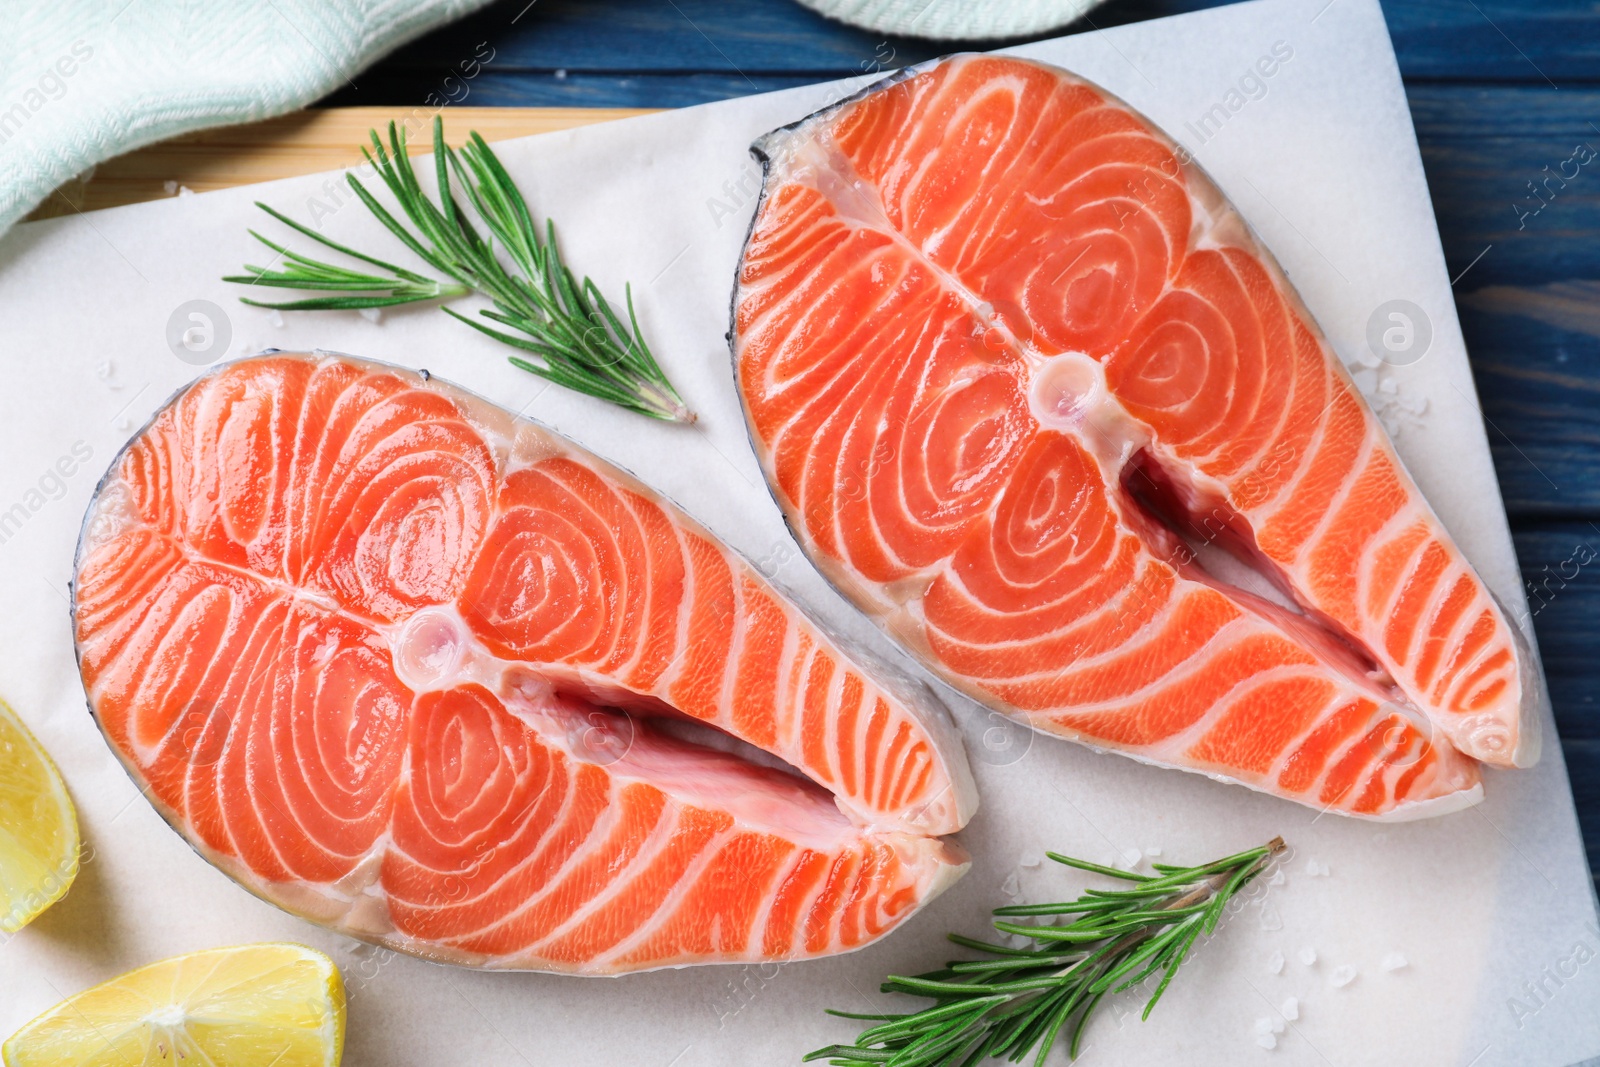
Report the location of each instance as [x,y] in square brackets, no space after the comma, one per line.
[1264,1025]
[1308,956]
[1316,869]
[1029,860]
[1010,887]
[1131,857]
[1342,976]
[1275,963]
[275,319]
[372,314]
[1290,1009]
[1270,919]
[1267,1041]
[1153,852]
[1394,961]
[1278,877]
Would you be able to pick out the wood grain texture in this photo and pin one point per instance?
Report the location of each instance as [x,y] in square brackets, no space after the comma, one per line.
[303,143]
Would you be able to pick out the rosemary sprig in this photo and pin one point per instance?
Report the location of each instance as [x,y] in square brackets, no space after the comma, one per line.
[1024,998]
[567,327]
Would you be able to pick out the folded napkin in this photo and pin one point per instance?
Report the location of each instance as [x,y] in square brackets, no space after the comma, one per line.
[955,20]
[84,80]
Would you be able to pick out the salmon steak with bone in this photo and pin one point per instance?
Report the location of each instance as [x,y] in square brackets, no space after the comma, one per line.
[1032,395]
[433,676]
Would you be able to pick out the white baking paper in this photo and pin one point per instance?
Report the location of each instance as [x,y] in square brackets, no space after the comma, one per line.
[1491,909]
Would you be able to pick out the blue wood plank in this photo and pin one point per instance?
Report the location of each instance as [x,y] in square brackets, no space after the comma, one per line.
[1506,167]
[1540,389]
[1518,40]
[493,88]
[1551,42]
[1583,766]
[1560,564]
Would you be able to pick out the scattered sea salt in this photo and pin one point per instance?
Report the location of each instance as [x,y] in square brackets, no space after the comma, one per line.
[1278,877]
[1275,963]
[1266,1041]
[1264,1025]
[1394,961]
[275,319]
[1316,869]
[1290,1009]
[1366,381]
[1010,887]
[184,190]
[124,424]
[1153,852]
[372,314]
[1270,919]
[169,187]
[1131,857]
[1342,976]
[1029,859]
[1390,386]
[1308,956]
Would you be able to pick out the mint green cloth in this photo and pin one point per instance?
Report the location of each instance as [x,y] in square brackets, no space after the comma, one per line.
[84,80]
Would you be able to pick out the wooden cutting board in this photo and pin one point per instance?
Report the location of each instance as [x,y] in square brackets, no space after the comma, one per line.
[302,143]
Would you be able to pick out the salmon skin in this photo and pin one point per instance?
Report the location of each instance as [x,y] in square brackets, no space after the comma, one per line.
[1019,375]
[363,639]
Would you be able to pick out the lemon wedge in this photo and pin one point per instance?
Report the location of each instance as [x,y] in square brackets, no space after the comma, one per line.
[252,1006]
[38,828]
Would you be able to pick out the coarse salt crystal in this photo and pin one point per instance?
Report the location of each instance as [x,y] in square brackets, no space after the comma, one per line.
[1267,1041]
[1275,963]
[1308,956]
[372,314]
[1010,886]
[1029,859]
[1389,385]
[1290,1009]
[275,319]
[1270,919]
[1264,1025]
[1316,869]
[1342,976]
[1152,851]
[1278,877]
[1394,961]
[1131,857]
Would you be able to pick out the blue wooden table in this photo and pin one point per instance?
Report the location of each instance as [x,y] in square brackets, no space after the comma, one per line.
[1502,92]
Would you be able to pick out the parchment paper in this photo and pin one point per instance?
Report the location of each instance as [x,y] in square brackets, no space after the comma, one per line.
[1492,909]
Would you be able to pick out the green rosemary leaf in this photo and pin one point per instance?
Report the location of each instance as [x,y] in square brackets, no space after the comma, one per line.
[1095,868]
[1022,1000]
[566,324]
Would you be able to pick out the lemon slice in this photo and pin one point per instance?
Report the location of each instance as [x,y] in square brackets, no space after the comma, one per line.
[252,1006]
[38,828]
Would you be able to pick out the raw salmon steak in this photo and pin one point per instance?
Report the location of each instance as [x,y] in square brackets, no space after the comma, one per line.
[1020,377]
[435,677]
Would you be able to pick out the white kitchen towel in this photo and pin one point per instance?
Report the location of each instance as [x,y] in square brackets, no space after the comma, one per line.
[955,20]
[84,80]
